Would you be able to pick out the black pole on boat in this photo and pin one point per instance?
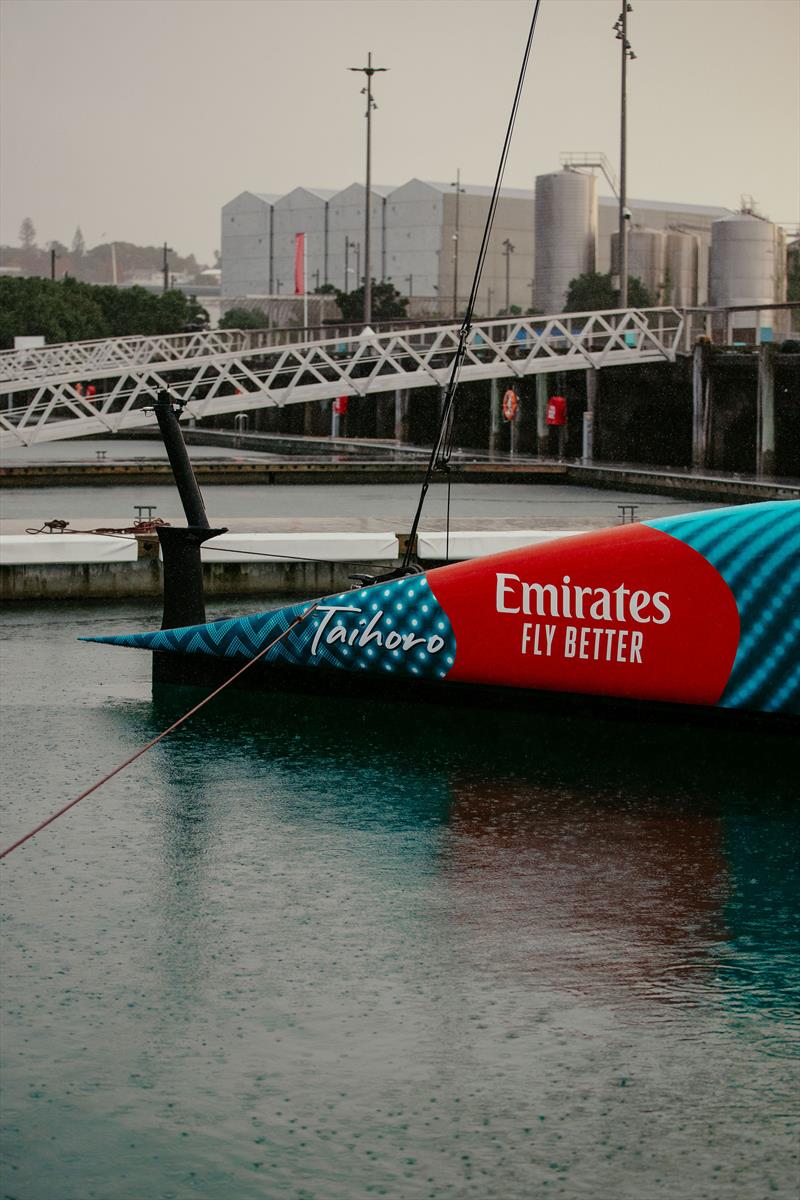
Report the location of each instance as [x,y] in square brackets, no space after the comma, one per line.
[184,599]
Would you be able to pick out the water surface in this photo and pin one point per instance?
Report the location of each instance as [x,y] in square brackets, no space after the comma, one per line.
[316,950]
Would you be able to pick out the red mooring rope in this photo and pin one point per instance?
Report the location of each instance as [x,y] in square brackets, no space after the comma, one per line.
[163,734]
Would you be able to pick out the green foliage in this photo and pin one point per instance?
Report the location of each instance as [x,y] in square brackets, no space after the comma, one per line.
[78,244]
[244,318]
[793,281]
[594,292]
[68,311]
[325,289]
[387,303]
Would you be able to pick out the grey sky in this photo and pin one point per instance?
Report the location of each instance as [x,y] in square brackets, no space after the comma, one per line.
[138,119]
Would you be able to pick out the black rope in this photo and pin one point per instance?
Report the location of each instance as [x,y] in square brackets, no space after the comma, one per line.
[442,449]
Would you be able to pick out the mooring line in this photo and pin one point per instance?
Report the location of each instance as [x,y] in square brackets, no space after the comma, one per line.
[160,737]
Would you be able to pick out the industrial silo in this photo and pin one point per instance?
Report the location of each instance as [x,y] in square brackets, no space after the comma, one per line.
[681,269]
[565,234]
[747,267]
[646,257]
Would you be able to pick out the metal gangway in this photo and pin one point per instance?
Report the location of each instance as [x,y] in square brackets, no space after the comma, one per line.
[89,388]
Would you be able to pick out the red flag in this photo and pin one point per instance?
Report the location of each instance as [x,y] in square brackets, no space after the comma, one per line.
[299,264]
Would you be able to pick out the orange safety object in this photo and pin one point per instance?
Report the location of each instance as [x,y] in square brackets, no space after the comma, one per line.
[510,405]
[556,411]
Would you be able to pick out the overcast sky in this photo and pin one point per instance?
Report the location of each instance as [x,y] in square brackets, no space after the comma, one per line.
[139,119]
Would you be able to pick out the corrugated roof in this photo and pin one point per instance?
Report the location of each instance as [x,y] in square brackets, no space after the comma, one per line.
[666,206]
[478,189]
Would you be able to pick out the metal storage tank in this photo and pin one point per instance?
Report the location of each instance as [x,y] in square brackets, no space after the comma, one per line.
[681,269]
[565,234]
[747,268]
[646,258]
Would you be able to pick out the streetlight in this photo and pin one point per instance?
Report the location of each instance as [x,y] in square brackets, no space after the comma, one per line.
[53,257]
[369,71]
[509,249]
[165,267]
[621,29]
[410,282]
[459,190]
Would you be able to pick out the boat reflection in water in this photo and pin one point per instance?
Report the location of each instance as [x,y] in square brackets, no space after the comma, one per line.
[624,862]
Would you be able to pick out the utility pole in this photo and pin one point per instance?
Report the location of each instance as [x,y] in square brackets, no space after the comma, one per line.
[53,257]
[165,268]
[456,235]
[358,262]
[410,282]
[509,249]
[346,262]
[489,302]
[369,71]
[621,30]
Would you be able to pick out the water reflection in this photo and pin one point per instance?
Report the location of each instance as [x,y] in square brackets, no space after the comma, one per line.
[627,862]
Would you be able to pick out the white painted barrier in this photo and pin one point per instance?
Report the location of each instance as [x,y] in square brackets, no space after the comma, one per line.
[308,547]
[476,544]
[22,548]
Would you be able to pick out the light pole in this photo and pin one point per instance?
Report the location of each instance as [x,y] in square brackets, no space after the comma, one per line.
[346,260]
[53,257]
[357,247]
[369,71]
[459,190]
[165,267]
[621,30]
[410,282]
[509,249]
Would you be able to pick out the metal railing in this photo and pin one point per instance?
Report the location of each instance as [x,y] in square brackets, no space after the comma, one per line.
[237,379]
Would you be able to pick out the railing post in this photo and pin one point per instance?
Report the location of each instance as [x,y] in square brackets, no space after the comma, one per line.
[401,415]
[588,416]
[494,417]
[701,402]
[765,454]
[542,438]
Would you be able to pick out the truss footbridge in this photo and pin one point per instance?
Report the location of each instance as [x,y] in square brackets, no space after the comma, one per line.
[88,388]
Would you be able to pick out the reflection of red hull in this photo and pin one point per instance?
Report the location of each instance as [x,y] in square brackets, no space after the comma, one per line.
[606,904]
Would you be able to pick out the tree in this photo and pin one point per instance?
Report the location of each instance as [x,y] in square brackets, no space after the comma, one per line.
[70,311]
[594,292]
[78,244]
[27,234]
[387,303]
[244,318]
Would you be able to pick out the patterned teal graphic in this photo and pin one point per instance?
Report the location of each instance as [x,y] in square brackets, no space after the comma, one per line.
[394,627]
[756,549]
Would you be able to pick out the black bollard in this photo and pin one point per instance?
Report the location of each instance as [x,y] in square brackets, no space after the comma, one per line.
[184,598]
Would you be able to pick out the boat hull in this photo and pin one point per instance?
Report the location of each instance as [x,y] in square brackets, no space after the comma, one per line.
[701,611]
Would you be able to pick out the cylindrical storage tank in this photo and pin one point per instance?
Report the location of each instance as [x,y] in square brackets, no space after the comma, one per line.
[645,258]
[681,269]
[565,235]
[745,268]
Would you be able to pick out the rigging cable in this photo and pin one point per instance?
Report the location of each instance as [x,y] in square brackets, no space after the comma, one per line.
[54,816]
[442,449]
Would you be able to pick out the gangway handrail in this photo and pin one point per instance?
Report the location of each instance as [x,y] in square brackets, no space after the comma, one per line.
[239,379]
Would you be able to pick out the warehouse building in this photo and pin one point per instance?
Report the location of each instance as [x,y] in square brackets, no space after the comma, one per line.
[425,237]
